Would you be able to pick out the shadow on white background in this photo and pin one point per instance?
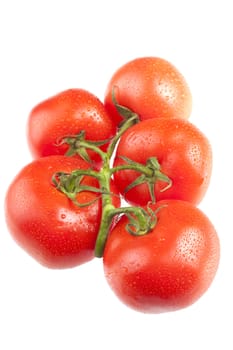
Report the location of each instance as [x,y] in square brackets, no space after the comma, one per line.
[49,46]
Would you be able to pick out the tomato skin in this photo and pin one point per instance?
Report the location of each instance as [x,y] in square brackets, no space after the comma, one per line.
[183,152]
[66,114]
[167,269]
[151,87]
[47,225]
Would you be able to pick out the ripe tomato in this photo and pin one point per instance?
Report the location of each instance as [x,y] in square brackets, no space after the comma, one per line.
[151,87]
[168,268]
[48,225]
[66,114]
[182,151]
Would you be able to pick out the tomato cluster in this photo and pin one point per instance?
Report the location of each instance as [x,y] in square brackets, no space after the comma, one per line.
[160,251]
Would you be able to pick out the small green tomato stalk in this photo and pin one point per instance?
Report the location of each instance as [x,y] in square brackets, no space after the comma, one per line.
[141,221]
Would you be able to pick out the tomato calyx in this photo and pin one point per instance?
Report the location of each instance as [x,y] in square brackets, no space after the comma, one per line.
[71,185]
[150,174]
[141,224]
[79,145]
[125,112]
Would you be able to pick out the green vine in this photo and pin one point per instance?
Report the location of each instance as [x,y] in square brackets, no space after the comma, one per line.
[140,221]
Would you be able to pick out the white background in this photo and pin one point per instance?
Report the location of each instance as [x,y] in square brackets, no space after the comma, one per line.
[49,46]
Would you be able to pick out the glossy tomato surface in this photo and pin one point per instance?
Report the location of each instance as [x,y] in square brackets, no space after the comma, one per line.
[66,114]
[170,267]
[48,225]
[151,87]
[183,152]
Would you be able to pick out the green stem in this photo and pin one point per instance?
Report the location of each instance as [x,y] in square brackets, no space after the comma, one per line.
[87,172]
[106,222]
[93,147]
[108,209]
[126,125]
[107,206]
[137,167]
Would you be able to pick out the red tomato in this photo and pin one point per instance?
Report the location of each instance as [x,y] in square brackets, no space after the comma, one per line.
[151,87]
[48,225]
[183,152]
[66,114]
[168,268]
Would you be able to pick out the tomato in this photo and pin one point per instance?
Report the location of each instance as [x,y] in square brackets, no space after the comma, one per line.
[66,114]
[48,225]
[184,155]
[170,267]
[151,87]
